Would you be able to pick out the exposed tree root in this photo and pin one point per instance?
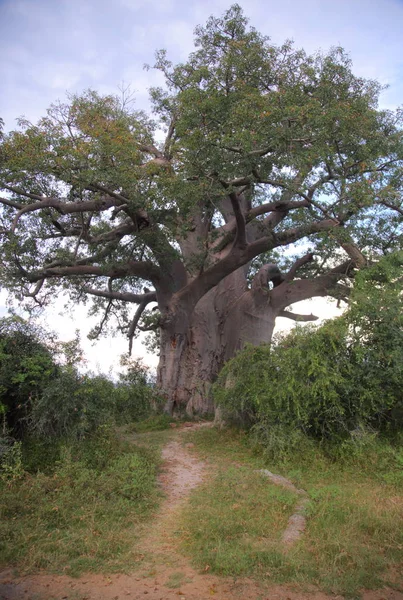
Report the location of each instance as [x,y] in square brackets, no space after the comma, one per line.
[297,522]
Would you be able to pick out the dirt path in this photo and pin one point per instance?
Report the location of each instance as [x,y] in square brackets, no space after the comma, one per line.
[165,573]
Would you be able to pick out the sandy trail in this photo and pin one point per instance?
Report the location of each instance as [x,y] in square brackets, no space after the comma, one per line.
[181,473]
[165,574]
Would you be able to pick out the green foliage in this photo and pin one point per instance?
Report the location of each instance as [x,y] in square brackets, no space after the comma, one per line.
[153,423]
[281,442]
[85,514]
[73,405]
[26,368]
[240,114]
[297,384]
[41,453]
[43,395]
[340,380]
[135,396]
[11,460]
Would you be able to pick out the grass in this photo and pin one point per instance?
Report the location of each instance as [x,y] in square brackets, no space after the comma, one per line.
[158,422]
[233,523]
[86,515]
[152,423]
[85,511]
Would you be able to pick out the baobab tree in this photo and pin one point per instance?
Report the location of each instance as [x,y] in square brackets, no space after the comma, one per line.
[262,177]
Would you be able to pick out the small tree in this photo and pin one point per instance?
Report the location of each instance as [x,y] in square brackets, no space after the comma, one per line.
[276,174]
[135,394]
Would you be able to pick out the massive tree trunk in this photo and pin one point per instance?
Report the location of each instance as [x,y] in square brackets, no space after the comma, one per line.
[197,343]
[223,321]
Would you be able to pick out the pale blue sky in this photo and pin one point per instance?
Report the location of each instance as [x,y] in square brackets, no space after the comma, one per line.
[50,47]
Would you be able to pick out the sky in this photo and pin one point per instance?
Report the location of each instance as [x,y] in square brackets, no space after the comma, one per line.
[49,48]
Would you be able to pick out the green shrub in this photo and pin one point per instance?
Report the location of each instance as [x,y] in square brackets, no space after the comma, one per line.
[281,443]
[43,395]
[136,398]
[11,461]
[26,368]
[301,383]
[41,453]
[73,405]
[153,423]
[328,382]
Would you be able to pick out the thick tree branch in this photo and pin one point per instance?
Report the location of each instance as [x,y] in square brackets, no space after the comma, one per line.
[100,327]
[64,207]
[297,265]
[123,296]
[168,139]
[355,254]
[146,270]
[238,257]
[133,325]
[281,207]
[151,149]
[237,182]
[327,284]
[21,192]
[266,273]
[398,209]
[290,236]
[117,233]
[96,187]
[11,203]
[240,236]
[238,150]
[273,206]
[147,298]
[297,317]
[36,290]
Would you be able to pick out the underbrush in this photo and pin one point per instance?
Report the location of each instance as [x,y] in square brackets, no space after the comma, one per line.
[364,452]
[353,537]
[81,514]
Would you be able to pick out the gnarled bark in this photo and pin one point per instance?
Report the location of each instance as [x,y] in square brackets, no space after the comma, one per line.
[224,320]
[232,314]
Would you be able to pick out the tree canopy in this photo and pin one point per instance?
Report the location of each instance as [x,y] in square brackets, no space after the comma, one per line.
[253,155]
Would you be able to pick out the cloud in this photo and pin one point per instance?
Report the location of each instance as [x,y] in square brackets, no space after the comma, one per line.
[49,47]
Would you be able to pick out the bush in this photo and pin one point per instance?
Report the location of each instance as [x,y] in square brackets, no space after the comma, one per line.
[281,443]
[26,368]
[136,398]
[41,454]
[332,381]
[44,396]
[11,462]
[73,405]
[301,383]
[153,423]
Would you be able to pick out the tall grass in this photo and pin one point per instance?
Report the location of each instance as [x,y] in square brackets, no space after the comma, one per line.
[85,514]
